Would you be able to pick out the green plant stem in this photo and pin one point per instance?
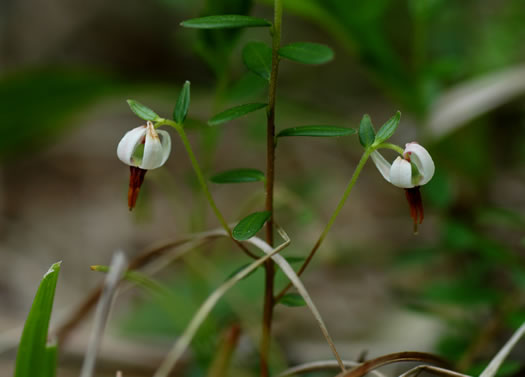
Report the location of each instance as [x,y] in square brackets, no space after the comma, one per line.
[198,171]
[393,147]
[270,174]
[202,181]
[348,190]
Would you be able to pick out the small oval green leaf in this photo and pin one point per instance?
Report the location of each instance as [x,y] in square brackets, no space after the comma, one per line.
[293,260]
[250,225]
[247,87]
[142,111]
[238,176]
[307,53]
[257,57]
[235,112]
[388,129]
[225,21]
[182,105]
[317,131]
[292,299]
[366,132]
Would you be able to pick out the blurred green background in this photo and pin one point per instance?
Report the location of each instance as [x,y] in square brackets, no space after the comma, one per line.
[455,69]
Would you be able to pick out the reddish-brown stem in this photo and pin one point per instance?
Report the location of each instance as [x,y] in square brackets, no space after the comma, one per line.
[221,363]
[270,174]
[368,366]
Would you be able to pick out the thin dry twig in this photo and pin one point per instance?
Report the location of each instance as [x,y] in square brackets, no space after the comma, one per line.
[470,99]
[119,265]
[432,369]
[184,340]
[225,351]
[322,365]
[84,308]
[495,364]
[390,359]
[488,331]
[296,281]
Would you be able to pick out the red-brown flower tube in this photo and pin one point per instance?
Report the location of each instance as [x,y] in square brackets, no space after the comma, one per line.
[136,178]
[413,196]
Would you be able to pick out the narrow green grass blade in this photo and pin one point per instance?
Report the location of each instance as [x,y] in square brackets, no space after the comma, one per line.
[32,356]
[50,361]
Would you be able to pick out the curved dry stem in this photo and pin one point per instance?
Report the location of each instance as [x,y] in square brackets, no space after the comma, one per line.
[324,233]
[322,365]
[290,273]
[183,342]
[119,264]
[63,331]
[432,369]
[495,364]
[390,359]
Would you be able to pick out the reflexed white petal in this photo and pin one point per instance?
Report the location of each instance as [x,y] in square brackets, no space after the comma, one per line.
[401,173]
[423,161]
[165,140]
[153,156]
[128,143]
[382,164]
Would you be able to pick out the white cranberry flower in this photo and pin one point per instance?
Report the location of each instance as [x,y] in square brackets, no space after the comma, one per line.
[415,168]
[402,173]
[143,148]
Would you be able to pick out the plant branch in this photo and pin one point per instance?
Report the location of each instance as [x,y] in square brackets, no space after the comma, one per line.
[222,360]
[270,113]
[328,226]
[314,366]
[393,147]
[198,171]
[290,273]
[495,363]
[119,265]
[202,182]
[488,332]
[369,366]
[84,308]
[270,175]
[184,340]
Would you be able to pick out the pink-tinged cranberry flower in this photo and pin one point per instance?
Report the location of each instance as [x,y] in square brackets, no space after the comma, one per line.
[411,171]
[143,148]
